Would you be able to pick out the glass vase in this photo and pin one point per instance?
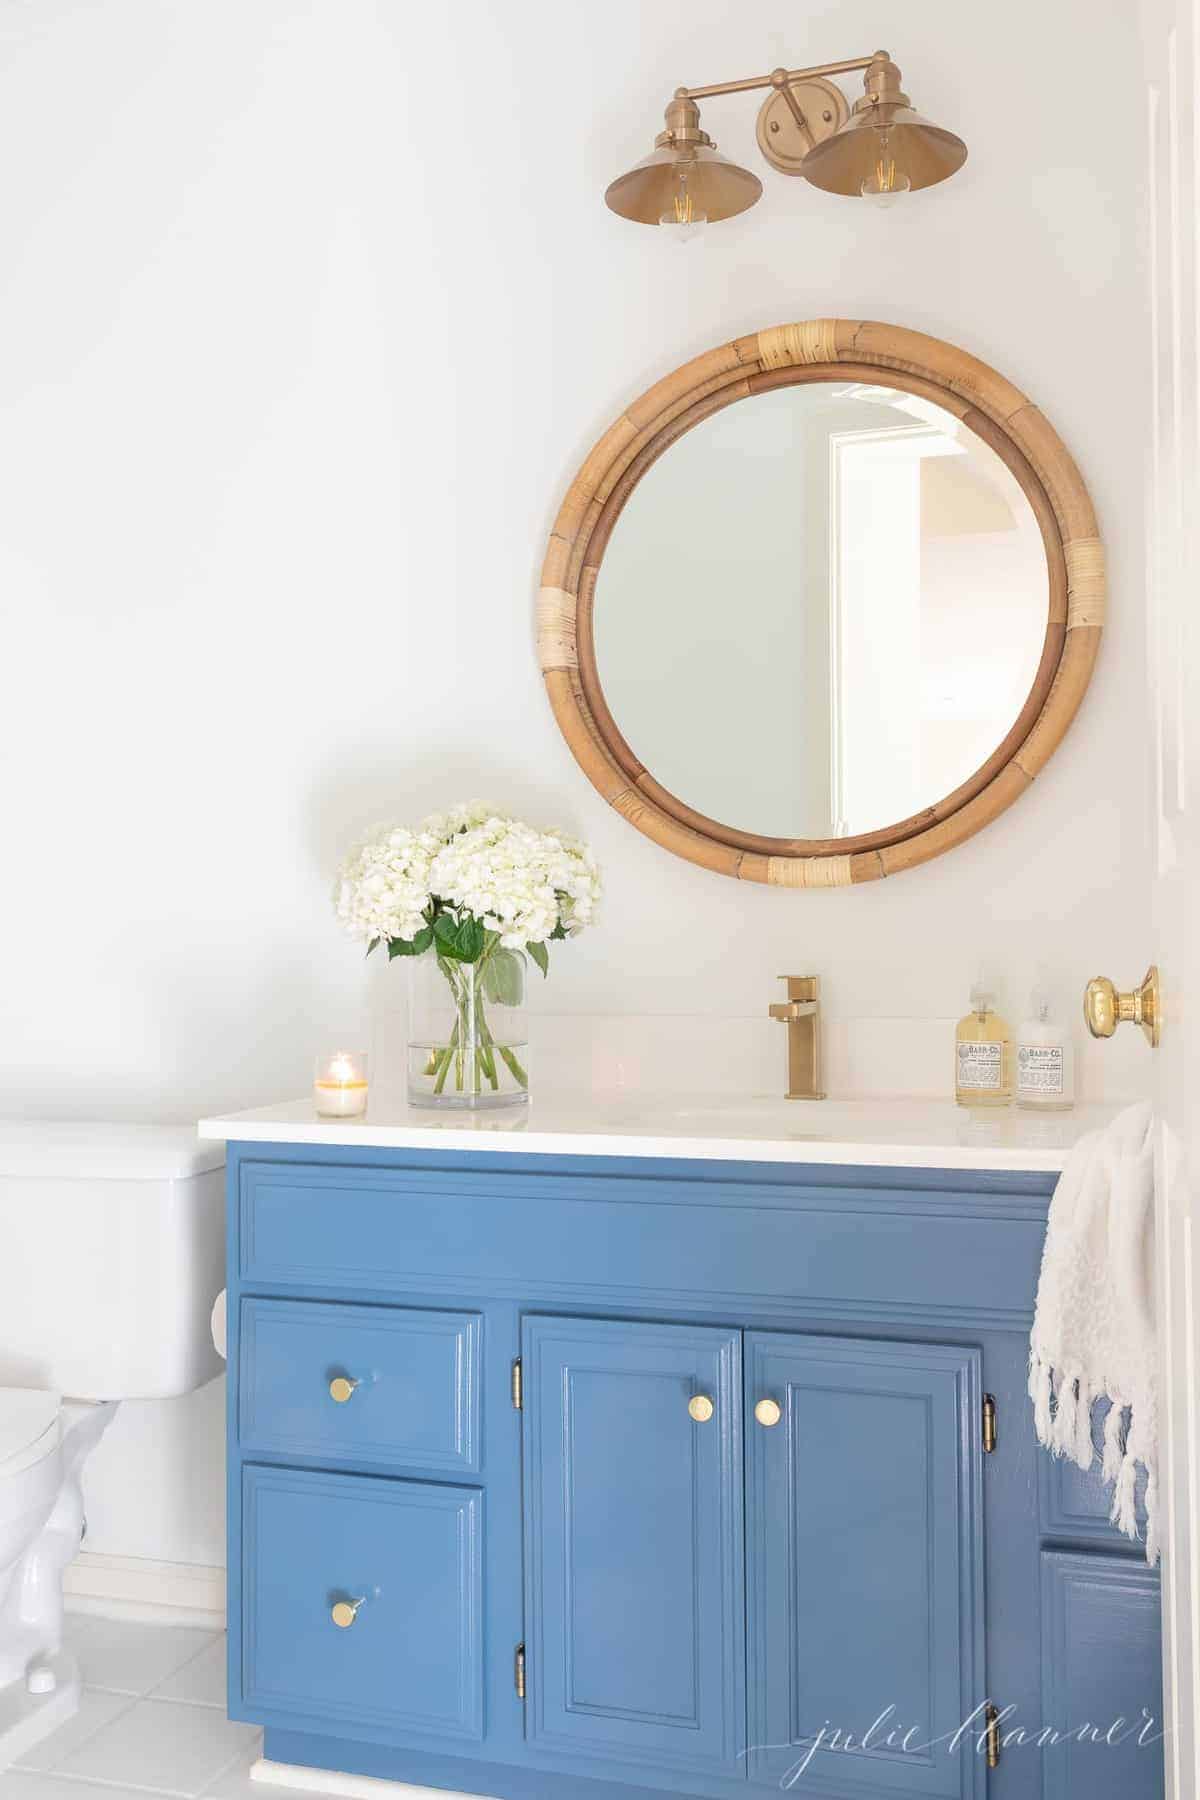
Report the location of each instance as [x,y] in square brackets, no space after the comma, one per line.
[467,1036]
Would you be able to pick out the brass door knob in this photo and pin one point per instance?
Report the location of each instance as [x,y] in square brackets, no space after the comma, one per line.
[345,1613]
[701,1408]
[768,1412]
[1105,1007]
[341,1388]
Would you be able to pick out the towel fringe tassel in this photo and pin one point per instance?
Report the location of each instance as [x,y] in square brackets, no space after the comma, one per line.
[1039,1393]
[1124,1506]
[1152,1544]
[1115,1427]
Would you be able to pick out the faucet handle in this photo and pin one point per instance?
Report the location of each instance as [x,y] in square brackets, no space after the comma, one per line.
[802,990]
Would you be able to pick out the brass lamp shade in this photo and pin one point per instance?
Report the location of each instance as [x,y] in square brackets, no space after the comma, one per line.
[719,189]
[925,153]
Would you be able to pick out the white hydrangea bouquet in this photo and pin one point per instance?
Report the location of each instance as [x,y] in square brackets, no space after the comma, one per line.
[467,893]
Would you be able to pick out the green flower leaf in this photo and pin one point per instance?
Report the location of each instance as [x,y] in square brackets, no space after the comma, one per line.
[445,931]
[400,947]
[462,940]
[502,978]
[541,957]
[422,940]
[471,939]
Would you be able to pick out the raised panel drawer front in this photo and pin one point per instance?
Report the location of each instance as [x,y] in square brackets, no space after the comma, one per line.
[864,1565]
[656,1243]
[634,1543]
[1101,1679]
[410,1660]
[364,1383]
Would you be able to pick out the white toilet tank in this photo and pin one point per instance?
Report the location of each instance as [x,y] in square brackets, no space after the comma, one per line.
[111,1256]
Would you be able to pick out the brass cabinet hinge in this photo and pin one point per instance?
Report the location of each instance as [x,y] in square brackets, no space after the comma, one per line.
[518,1392]
[989,1423]
[519,1671]
[992,1715]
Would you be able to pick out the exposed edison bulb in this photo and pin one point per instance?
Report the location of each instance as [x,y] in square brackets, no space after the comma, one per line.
[886,181]
[684,217]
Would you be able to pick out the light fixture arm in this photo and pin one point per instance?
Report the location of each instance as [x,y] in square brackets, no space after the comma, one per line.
[779,78]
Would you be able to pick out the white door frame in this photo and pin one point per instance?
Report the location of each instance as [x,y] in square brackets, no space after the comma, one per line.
[1171,50]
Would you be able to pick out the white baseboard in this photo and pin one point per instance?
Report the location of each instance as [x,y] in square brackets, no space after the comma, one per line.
[159,1593]
[347,1787]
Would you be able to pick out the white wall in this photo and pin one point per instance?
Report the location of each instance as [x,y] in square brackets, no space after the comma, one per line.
[308,312]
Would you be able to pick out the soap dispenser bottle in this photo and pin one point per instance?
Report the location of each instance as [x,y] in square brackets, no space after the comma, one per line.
[1045,1060]
[983,1055]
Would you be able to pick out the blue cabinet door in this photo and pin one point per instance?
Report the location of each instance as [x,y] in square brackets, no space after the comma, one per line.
[633,1545]
[1102,1700]
[864,1566]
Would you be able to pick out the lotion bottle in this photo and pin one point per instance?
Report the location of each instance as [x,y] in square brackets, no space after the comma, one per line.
[1045,1060]
[983,1055]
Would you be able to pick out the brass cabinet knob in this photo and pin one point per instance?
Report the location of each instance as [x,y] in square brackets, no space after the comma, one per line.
[768,1412]
[341,1388]
[1105,1007]
[345,1613]
[701,1408]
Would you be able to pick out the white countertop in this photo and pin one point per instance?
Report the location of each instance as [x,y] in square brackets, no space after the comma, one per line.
[914,1134]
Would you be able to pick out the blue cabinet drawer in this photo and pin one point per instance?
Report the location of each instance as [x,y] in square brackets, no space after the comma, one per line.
[408,1556]
[651,1241]
[374,1384]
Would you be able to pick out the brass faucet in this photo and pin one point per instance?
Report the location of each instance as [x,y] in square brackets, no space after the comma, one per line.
[801,1013]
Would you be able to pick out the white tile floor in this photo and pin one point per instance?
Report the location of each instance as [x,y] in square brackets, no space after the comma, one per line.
[152,1722]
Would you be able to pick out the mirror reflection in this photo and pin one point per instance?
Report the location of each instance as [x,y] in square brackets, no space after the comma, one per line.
[821,610]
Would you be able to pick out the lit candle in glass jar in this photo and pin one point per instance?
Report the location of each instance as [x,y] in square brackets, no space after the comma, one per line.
[340,1085]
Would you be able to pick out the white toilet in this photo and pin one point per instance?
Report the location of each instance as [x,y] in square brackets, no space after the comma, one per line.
[111,1256]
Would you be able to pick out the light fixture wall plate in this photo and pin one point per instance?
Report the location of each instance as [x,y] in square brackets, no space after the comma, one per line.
[785,139]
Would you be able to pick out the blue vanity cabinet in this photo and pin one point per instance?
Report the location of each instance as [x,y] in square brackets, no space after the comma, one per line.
[557,1478]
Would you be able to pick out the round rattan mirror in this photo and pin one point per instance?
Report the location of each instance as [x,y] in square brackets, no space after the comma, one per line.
[842,625]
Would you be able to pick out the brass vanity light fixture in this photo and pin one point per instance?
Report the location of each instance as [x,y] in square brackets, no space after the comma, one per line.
[880,149]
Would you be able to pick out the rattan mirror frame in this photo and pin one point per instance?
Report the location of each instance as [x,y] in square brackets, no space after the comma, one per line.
[821,349]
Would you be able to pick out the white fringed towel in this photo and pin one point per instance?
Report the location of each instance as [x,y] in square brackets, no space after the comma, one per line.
[1094,1332]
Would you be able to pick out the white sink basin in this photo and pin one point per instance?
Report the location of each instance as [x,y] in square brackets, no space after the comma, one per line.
[770,1118]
